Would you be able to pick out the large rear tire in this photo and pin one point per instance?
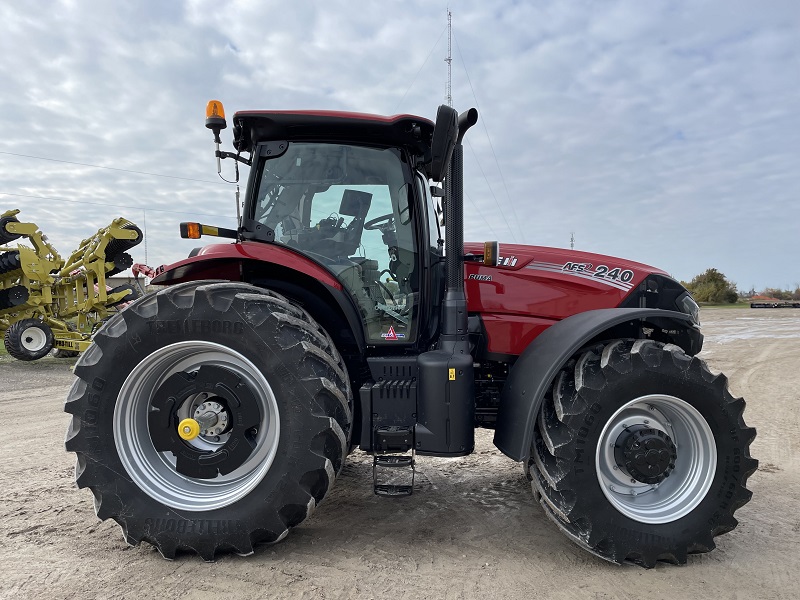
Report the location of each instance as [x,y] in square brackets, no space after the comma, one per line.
[641,454]
[277,388]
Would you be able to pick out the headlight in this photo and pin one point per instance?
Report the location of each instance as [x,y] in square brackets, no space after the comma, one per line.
[687,304]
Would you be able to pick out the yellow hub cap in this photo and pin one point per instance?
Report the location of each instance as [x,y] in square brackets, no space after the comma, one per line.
[188,429]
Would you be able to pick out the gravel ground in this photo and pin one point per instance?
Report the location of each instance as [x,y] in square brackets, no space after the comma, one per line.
[471,529]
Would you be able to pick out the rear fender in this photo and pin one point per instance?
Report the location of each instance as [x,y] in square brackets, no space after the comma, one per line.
[535,369]
[282,270]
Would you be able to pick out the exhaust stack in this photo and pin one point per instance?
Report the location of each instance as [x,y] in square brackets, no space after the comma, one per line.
[454,308]
[445,410]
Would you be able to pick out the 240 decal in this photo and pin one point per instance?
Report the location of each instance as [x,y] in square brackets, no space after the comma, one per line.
[600,272]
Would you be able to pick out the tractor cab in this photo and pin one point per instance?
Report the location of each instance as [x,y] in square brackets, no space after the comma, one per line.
[351,209]
[349,192]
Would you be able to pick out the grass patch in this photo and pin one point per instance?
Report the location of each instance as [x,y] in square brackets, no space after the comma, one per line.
[704,305]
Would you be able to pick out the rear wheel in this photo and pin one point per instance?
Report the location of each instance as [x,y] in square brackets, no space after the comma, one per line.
[262,386]
[29,339]
[641,454]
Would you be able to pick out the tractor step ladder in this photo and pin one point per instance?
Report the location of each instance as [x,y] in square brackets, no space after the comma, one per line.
[390,472]
[392,463]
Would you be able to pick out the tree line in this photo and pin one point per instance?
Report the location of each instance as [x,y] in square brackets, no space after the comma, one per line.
[712,286]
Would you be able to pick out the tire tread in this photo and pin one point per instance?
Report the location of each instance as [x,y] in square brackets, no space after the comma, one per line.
[320,371]
[574,389]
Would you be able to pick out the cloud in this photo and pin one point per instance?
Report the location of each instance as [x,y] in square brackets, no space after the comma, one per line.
[665,132]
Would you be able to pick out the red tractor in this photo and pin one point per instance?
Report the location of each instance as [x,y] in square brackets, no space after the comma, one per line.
[216,413]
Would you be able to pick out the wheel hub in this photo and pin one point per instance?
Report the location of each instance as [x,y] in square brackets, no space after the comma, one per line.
[679,488]
[647,454]
[214,415]
[33,339]
[212,395]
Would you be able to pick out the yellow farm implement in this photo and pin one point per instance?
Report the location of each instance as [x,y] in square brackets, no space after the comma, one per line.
[47,302]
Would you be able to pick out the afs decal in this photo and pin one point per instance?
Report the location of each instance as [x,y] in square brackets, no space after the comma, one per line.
[616,277]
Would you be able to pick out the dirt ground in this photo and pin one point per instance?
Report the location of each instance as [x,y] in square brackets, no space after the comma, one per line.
[471,529]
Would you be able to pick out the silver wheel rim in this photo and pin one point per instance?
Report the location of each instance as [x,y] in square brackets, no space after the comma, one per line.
[33,339]
[686,485]
[153,471]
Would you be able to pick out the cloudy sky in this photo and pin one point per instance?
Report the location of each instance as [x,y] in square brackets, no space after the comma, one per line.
[667,132]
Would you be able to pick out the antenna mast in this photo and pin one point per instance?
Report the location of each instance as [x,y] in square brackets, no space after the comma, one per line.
[449,59]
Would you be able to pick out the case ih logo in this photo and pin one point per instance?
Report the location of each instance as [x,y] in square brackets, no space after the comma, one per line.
[392,335]
[509,261]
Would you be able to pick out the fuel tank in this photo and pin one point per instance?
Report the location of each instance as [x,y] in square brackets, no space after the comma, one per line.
[535,286]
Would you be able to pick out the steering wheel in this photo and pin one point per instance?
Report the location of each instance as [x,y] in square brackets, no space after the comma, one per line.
[378,222]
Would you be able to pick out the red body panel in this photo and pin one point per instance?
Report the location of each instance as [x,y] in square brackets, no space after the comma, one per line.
[535,286]
[531,289]
[223,261]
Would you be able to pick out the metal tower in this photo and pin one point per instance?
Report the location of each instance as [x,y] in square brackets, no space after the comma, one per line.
[449,59]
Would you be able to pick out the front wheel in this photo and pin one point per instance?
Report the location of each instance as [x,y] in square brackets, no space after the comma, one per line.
[209,417]
[641,454]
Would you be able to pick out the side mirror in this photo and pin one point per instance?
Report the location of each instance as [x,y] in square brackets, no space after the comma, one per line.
[445,133]
[403,207]
[440,212]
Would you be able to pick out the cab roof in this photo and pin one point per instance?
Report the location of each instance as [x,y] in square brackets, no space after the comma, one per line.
[254,126]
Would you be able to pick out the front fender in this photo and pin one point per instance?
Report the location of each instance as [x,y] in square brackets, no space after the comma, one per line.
[535,369]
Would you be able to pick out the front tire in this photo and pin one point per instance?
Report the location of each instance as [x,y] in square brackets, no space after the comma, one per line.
[281,399]
[641,454]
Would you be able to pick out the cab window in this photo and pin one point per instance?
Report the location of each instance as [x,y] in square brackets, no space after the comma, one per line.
[349,208]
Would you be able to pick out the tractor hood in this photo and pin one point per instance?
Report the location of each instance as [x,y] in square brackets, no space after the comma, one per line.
[535,286]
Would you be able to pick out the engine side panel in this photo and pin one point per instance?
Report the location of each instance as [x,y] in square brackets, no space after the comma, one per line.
[535,287]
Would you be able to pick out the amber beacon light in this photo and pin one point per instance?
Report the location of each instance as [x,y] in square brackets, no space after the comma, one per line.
[215,117]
